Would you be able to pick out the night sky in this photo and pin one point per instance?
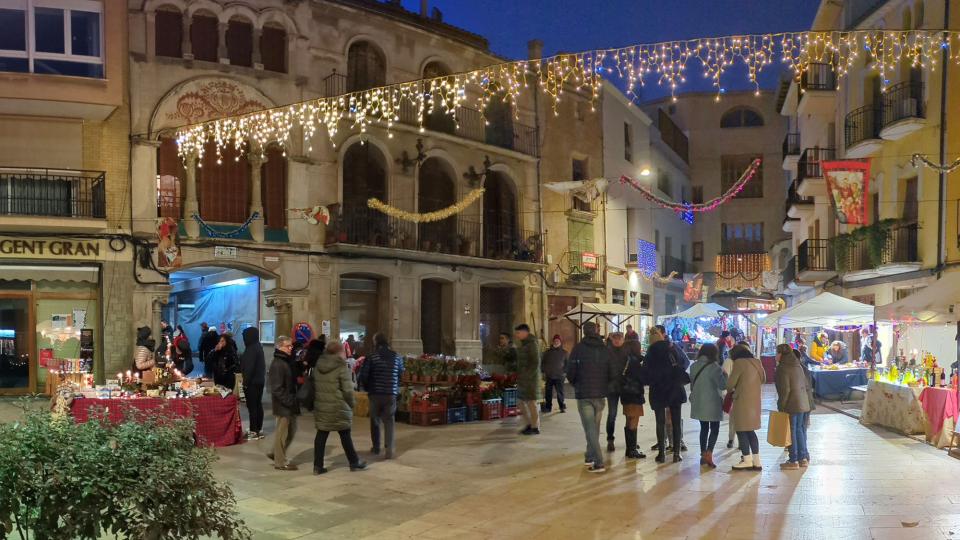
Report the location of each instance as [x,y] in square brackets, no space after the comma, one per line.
[576,25]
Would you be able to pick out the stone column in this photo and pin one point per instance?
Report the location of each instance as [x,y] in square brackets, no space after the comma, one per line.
[283,314]
[191,205]
[222,53]
[186,47]
[256,203]
[159,300]
[257,63]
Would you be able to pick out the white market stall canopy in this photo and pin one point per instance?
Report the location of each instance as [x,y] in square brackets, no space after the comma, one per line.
[825,309]
[696,311]
[588,311]
[933,304]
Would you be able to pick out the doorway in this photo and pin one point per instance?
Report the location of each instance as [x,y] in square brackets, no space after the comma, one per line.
[363,307]
[436,328]
[16,367]
[496,317]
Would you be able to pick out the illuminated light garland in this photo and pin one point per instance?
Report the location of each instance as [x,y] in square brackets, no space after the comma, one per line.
[741,271]
[919,159]
[426,217]
[666,62]
[234,233]
[683,207]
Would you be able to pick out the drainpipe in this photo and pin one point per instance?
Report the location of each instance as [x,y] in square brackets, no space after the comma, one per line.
[535,52]
[941,211]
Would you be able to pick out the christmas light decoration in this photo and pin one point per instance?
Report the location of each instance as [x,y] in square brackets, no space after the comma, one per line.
[919,159]
[427,217]
[740,271]
[646,257]
[681,207]
[210,232]
[667,63]
[687,215]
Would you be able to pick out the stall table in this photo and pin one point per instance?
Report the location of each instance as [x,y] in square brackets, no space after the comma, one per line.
[940,407]
[217,419]
[894,406]
[837,382]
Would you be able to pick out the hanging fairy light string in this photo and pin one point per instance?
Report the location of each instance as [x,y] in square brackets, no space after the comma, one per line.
[666,63]
[683,206]
[919,159]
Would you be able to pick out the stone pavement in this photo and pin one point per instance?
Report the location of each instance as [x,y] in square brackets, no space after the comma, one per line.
[482,480]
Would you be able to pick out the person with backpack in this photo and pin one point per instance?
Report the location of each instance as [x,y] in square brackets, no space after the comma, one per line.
[707,383]
[380,376]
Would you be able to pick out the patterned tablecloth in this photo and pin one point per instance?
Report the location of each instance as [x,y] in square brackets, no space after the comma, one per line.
[940,407]
[217,419]
[894,406]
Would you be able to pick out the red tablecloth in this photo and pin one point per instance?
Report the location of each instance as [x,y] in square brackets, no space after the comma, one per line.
[769,364]
[217,419]
[939,404]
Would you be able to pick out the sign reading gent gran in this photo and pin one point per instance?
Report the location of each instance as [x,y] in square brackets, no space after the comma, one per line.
[34,248]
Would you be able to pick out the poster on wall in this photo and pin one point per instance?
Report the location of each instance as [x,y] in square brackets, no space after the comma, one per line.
[168,244]
[848,182]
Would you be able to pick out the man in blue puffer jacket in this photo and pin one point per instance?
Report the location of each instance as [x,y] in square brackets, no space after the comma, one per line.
[380,377]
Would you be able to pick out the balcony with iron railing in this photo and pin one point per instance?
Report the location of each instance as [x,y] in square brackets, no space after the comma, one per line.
[584,270]
[818,76]
[788,277]
[52,193]
[334,84]
[817,95]
[790,146]
[795,204]
[861,131]
[903,110]
[876,250]
[809,181]
[673,136]
[815,260]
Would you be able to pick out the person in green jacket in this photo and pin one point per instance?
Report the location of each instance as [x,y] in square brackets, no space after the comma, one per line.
[333,406]
[529,386]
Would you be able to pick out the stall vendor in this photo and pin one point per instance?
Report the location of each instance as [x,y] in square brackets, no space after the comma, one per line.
[818,348]
[838,353]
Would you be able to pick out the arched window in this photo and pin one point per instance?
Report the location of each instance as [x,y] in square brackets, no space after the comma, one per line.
[273,48]
[204,37]
[741,117]
[440,119]
[224,188]
[500,237]
[499,117]
[436,190]
[366,67]
[364,177]
[170,173]
[273,188]
[240,42]
[168,32]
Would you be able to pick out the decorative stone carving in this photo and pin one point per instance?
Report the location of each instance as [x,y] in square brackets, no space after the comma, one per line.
[206,98]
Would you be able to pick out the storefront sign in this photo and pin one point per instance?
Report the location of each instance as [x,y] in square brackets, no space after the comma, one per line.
[30,248]
[225,252]
[589,260]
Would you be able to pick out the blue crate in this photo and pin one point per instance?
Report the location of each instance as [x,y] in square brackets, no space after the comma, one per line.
[456,415]
[510,397]
[473,413]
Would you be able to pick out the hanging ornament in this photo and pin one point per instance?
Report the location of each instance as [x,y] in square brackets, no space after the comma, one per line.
[427,217]
[741,271]
[681,207]
[210,232]
[919,159]
[314,215]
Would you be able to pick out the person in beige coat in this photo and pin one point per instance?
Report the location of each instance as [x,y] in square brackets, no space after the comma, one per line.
[793,398]
[745,381]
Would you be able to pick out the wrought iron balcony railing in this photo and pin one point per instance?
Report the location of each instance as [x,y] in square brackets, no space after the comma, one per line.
[52,192]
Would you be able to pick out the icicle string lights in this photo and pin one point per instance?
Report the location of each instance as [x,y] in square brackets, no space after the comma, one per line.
[919,159]
[666,63]
[684,207]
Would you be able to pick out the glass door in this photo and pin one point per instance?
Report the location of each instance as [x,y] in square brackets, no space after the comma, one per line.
[16,347]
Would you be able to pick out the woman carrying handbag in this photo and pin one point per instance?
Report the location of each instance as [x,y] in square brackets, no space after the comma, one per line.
[706,399]
[746,381]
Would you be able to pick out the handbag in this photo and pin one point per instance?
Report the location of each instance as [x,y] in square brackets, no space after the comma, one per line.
[728,402]
[679,373]
[778,429]
[306,393]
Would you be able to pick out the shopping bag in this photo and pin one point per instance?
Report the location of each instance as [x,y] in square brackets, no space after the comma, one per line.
[728,402]
[778,430]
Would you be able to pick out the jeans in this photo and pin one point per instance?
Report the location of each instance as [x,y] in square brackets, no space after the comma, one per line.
[383,410]
[749,443]
[254,396]
[677,435]
[613,401]
[286,430]
[591,411]
[549,387]
[709,431]
[798,437]
[320,447]
[531,413]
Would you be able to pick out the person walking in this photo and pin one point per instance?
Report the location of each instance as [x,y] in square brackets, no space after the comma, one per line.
[254,368]
[208,342]
[588,370]
[528,380]
[333,407]
[618,363]
[793,398]
[745,381]
[631,394]
[283,395]
[380,377]
[553,366]
[707,383]
[667,394]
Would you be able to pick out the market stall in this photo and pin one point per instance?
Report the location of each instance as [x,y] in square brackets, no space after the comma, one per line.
[700,323]
[615,315]
[895,406]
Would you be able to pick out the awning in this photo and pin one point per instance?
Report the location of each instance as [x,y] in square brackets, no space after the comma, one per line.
[10,272]
[825,309]
[936,303]
[702,309]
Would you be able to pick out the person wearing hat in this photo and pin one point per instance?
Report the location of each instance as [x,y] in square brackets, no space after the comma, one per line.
[553,365]
[588,370]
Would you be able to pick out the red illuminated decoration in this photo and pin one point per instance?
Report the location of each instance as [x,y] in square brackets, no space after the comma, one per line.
[712,204]
[848,182]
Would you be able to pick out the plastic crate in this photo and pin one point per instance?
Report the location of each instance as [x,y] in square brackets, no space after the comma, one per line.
[473,398]
[428,419]
[473,413]
[509,411]
[427,406]
[490,409]
[456,415]
[510,397]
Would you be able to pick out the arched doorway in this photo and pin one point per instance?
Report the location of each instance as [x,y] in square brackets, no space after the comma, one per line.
[498,305]
[364,307]
[436,190]
[500,237]
[364,177]
[436,325]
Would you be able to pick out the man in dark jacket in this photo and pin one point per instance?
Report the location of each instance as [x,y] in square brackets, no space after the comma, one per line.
[380,377]
[283,393]
[667,392]
[208,341]
[253,367]
[681,359]
[528,378]
[553,365]
[589,371]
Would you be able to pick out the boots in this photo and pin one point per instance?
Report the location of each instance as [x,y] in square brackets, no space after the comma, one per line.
[756,463]
[707,459]
[746,463]
[630,437]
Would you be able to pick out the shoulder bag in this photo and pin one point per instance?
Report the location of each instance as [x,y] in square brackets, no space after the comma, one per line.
[307,392]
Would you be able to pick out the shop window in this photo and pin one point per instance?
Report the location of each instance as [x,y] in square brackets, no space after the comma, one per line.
[273,49]
[62,40]
[224,188]
[240,43]
[168,30]
[273,186]
[868,299]
[170,173]
[741,237]
[204,37]
[366,67]
[741,117]
[732,167]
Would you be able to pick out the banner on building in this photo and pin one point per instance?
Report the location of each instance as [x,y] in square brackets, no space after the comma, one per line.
[168,243]
[848,182]
[693,288]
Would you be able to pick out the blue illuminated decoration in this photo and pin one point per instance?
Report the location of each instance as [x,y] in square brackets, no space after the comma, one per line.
[687,215]
[647,257]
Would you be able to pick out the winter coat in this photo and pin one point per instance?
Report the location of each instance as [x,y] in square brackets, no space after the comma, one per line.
[666,389]
[588,368]
[208,342]
[708,381]
[791,380]
[618,364]
[553,364]
[183,357]
[283,390]
[745,382]
[632,371]
[529,385]
[817,350]
[333,399]
[252,364]
[810,398]
[839,357]
[381,372]
[143,357]
[226,364]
